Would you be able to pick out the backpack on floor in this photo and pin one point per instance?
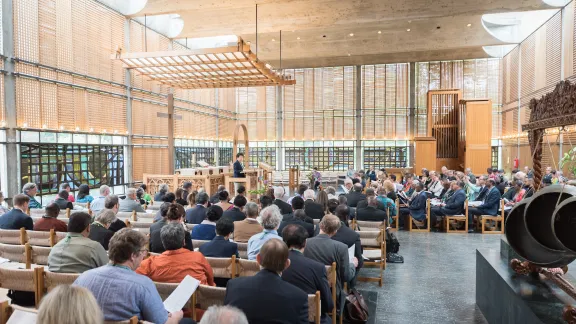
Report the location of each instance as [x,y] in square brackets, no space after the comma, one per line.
[392,244]
[355,308]
[394,258]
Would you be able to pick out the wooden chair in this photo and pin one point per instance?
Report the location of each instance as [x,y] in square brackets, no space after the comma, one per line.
[331,275]
[129,215]
[368,226]
[246,268]
[352,223]
[314,314]
[190,227]
[374,245]
[19,279]
[223,267]
[243,250]
[36,255]
[137,224]
[40,238]
[59,236]
[49,280]
[196,244]
[397,217]
[165,289]
[132,320]
[498,222]
[14,253]
[454,220]
[412,221]
[206,296]
[12,236]
[316,222]
[154,207]
[24,314]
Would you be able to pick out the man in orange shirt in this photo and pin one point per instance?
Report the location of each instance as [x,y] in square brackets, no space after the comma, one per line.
[176,262]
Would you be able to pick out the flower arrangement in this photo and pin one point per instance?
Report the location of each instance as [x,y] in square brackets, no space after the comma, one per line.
[262,189]
[569,160]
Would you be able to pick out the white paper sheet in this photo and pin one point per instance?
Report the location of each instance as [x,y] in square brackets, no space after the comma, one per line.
[3,260]
[181,294]
[19,317]
[351,253]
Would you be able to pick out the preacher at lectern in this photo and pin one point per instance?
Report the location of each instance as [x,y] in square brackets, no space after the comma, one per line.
[238,169]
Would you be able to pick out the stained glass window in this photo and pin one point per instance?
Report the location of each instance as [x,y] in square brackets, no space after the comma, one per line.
[185,156]
[386,157]
[324,158]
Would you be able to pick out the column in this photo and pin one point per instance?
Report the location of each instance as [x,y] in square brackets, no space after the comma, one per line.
[412,111]
[358,108]
[128,155]
[170,133]
[10,164]
[217,149]
[279,129]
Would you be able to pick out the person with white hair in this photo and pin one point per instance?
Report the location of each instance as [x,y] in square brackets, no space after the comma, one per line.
[313,209]
[348,184]
[131,202]
[99,231]
[223,315]
[285,207]
[331,191]
[30,189]
[162,191]
[98,203]
[270,218]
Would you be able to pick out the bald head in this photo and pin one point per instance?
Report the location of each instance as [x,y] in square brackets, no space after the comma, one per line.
[273,256]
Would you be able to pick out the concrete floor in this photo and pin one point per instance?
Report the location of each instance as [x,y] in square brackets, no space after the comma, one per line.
[436,283]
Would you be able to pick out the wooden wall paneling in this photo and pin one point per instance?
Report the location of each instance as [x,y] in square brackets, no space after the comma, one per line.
[477,129]
[425,153]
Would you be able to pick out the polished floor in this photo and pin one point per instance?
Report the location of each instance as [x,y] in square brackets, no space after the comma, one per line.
[436,283]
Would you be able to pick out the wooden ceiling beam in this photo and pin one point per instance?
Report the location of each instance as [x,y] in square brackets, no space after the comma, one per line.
[243,68]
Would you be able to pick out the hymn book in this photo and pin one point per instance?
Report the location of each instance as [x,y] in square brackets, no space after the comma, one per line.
[181,294]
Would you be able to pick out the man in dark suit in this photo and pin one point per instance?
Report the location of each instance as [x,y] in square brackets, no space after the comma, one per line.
[490,205]
[326,251]
[236,214]
[298,218]
[220,246]
[285,207]
[197,214]
[371,212]
[364,203]
[239,166]
[355,196]
[417,207]
[349,237]
[453,205]
[215,197]
[483,188]
[265,297]
[305,273]
[17,217]
[313,209]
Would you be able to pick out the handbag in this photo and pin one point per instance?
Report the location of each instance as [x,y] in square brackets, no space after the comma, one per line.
[355,308]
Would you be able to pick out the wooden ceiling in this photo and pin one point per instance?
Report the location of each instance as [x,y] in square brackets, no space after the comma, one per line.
[317,32]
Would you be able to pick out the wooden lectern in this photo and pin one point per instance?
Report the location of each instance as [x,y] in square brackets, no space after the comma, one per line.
[293,179]
[267,169]
[250,183]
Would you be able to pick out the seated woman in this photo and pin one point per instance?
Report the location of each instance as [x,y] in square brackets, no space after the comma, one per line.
[179,199]
[207,229]
[223,197]
[146,195]
[83,195]
[518,194]
[68,304]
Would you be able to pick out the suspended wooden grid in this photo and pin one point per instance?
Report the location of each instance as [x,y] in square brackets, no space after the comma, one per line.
[222,67]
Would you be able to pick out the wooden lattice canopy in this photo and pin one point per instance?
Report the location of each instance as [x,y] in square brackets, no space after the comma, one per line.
[221,67]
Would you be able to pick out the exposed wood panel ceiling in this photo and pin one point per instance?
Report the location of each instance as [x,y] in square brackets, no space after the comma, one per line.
[305,23]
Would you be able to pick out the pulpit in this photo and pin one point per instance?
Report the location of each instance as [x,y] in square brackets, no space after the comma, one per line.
[250,183]
[293,179]
[267,172]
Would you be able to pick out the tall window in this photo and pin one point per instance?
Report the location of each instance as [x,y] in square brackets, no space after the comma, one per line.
[49,165]
[494,157]
[326,156]
[386,157]
[185,156]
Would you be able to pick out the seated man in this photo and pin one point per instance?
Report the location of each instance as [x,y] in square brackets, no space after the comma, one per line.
[62,200]
[417,207]
[388,203]
[98,203]
[77,253]
[266,201]
[122,293]
[297,203]
[326,251]
[245,229]
[111,202]
[349,237]
[195,215]
[131,202]
[285,207]
[99,231]
[207,229]
[265,297]
[51,221]
[370,193]
[223,315]
[305,273]
[298,218]
[371,212]
[30,189]
[236,214]
[453,205]
[271,219]
[355,196]
[220,246]
[490,205]
[174,214]
[176,261]
[17,217]
[313,209]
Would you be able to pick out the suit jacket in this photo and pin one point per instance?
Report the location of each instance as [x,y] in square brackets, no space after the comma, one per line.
[325,250]
[237,169]
[100,234]
[234,214]
[350,237]
[16,219]
[482,193]
[266,298]
[418,206]
[196,214]
[491,203]
[310,276]
[117,225]
[219,248]
[289,216]
[129,205]
[371,214]
[63,204]
[364,204]
[309,227]
[354,198]
[285,208]
[313,210]
[455,204]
